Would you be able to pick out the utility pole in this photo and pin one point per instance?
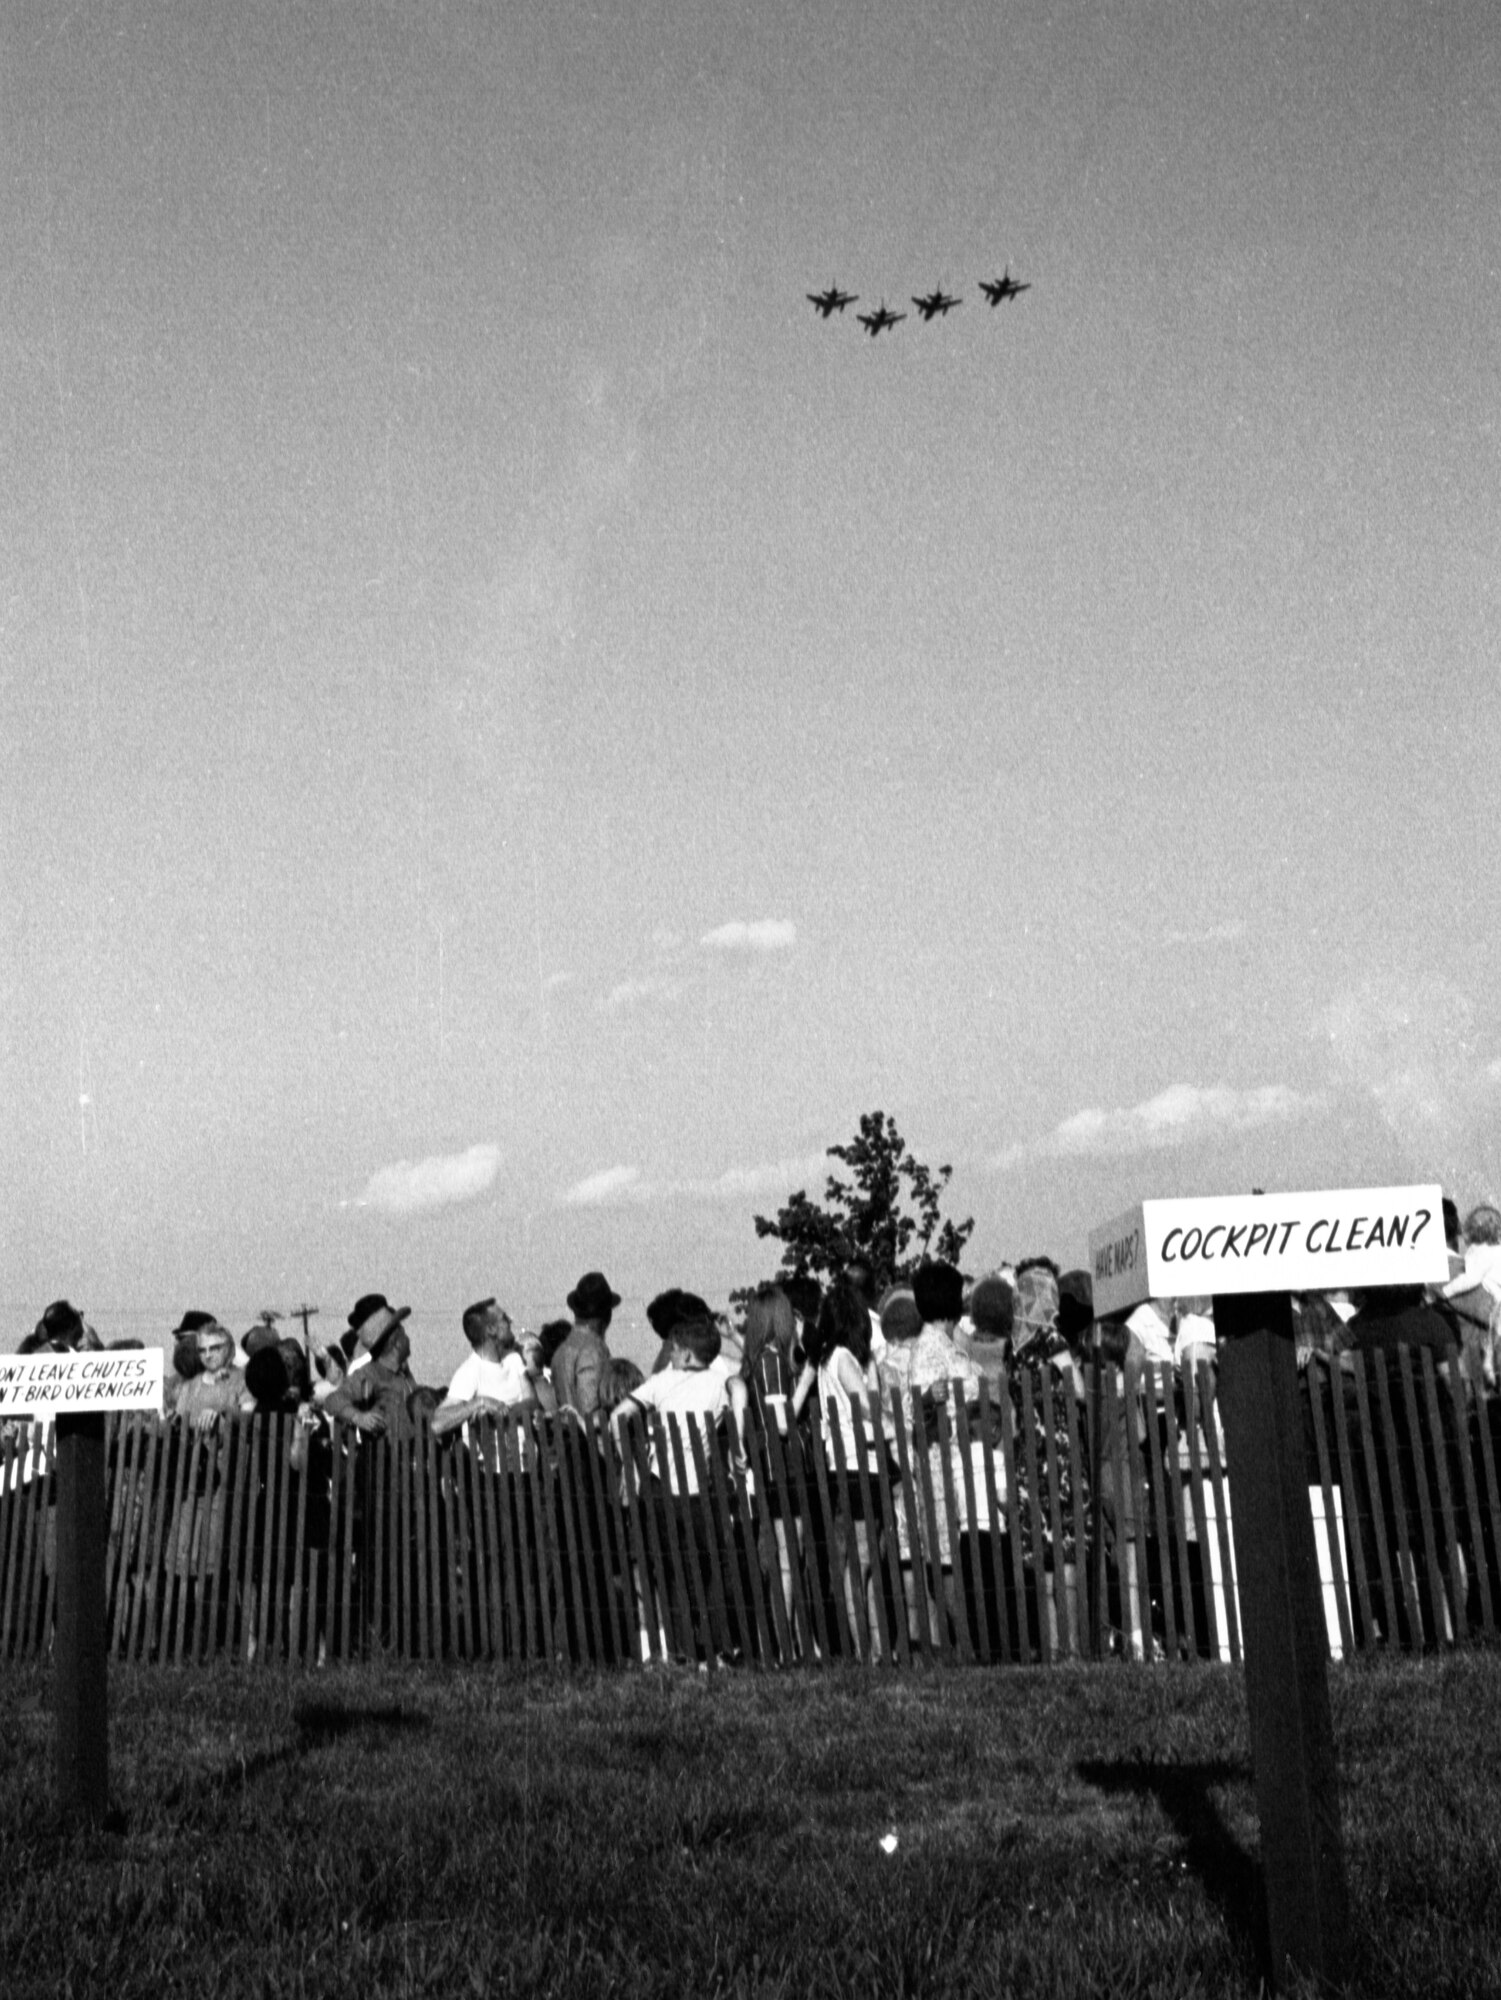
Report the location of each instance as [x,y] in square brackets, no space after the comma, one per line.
[304,1313]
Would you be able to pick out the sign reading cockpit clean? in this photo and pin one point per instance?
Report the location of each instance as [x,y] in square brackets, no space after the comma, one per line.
[1312,1242]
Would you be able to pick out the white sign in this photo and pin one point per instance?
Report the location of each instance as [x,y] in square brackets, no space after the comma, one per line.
[47,1385]
[1269,1243]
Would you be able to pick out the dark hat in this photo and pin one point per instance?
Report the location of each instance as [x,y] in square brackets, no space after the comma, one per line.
[266,1375]
[194,1322]
[591,1297]
[60,1322]
[362,1308]
[376,1328]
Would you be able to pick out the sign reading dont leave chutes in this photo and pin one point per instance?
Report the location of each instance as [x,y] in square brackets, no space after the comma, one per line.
[1269,1243]
[47,1385]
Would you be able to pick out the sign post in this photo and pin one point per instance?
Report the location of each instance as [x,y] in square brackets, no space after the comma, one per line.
[82,1682]
[77,1389]
[1251,1253]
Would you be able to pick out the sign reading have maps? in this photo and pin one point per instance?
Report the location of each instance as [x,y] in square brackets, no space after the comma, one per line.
[1269,1243]
[48,1385]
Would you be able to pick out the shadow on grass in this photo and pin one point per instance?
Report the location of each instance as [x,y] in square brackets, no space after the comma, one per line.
[318,1724]
[1231,1877]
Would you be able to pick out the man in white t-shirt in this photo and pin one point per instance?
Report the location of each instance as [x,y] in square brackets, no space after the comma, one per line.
[493,1379]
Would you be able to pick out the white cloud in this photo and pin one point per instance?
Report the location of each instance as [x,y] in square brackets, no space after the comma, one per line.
[736,1183]
[410,1187]
[631,993]
[766,934]
[1177,1116]
[611,1185]
[614,1185]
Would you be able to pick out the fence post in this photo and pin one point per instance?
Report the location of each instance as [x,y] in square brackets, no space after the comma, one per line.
[1282,1636]
[82,1671]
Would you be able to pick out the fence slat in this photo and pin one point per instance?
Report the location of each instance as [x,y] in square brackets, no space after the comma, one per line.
[841,1640]
[687,1585]
[596,1542]
[721,1547]
[1314,1378]
[1220,1489]
[1387,1458]
[969,1587]
[1154,1379]
[1393,1584]
[1217,1645]
[1448,1521]
[957,1615]
[1022,1636]
[452,1612]
[1172,1480]
[1038,1550]
[788,1530]
[654,1608]
[996,1538]
[1057,1545]
[1355,1499]
[34,1599]
[1068,1395]
[527,1478]
[1472,1413]
[18,1504]
[872,1589]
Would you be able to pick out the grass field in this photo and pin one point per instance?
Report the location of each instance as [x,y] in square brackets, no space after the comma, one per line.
[1065,1831]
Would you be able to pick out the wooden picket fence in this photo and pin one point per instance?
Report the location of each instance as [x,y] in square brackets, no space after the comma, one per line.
[1072,1525]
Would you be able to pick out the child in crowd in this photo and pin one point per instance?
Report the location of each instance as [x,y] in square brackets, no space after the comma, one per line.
[692,1396]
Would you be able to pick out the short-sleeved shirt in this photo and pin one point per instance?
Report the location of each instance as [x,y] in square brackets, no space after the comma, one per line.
[503,1381]
[698,1398]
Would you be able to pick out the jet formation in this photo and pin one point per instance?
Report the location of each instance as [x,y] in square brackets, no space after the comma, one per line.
[937,304]
[1002,288]
[877,322]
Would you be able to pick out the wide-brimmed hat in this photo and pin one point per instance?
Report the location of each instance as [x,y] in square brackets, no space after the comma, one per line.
[591,1297]
[362,1308]
[61,1322]
[376,1327]
[193,1322]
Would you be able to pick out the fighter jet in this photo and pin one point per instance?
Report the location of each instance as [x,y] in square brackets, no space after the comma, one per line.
[831,301]
[1003,288]
[935,303]
[877,322]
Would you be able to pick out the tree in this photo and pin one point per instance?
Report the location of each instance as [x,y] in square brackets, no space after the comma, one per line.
[887,1211]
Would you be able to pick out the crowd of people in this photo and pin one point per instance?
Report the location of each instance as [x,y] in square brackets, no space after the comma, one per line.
[946,1349]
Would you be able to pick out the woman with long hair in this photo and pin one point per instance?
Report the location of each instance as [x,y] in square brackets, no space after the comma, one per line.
[837,1363]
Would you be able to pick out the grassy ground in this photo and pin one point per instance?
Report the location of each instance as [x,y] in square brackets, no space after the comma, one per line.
[1064,1831]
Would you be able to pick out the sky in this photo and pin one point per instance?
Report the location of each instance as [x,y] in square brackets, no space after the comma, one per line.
[516,732]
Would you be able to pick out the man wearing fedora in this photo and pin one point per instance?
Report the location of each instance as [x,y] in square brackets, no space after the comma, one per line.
[380,1387]
[581,1364]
